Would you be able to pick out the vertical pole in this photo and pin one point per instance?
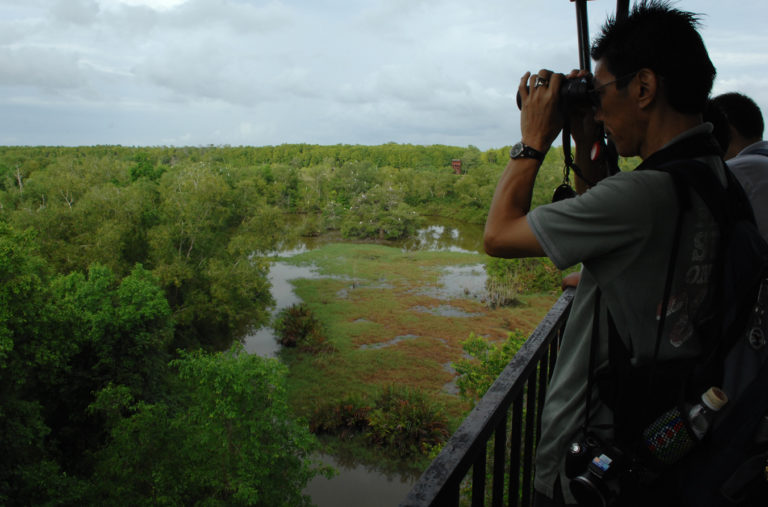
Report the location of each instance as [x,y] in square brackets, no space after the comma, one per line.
[582,27]
[622,9]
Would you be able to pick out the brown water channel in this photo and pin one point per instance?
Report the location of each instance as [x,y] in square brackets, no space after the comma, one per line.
[358,485]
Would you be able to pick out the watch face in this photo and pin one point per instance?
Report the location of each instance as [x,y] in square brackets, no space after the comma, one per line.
[522,151]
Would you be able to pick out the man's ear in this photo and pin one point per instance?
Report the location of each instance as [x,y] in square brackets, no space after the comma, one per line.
[647,87]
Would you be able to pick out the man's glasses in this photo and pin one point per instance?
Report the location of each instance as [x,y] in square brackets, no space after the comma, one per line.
[595,95]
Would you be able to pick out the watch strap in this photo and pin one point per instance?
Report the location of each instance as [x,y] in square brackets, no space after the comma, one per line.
[521,150]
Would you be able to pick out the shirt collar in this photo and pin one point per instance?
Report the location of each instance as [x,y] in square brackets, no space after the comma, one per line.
[693,143]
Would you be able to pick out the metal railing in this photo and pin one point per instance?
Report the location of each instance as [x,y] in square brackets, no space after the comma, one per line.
[484,444]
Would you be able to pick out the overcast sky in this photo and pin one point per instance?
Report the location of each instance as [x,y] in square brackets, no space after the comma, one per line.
[267,72]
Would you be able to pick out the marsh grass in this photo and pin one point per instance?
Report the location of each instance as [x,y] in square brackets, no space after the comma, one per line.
[370,298]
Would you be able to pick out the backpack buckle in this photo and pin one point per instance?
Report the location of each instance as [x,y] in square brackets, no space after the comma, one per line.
[756,335]
[756,338]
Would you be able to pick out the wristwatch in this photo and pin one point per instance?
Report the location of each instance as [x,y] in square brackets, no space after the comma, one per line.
[521,150]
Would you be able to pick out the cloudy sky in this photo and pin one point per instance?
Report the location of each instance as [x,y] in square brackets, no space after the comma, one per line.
[266,72]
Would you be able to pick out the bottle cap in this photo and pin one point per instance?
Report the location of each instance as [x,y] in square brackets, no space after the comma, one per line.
[714,398]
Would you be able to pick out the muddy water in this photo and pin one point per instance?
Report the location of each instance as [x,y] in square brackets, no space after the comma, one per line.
[263,341]
[357,485]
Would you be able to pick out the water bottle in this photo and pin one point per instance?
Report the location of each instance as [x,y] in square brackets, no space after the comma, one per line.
[700,415]
[669,438]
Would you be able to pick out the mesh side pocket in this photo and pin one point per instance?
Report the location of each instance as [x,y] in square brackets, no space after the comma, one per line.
[668,439]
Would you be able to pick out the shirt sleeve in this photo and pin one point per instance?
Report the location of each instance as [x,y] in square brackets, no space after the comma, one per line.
[610,218]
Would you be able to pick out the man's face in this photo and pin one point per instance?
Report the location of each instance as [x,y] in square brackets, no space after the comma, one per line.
[617,112]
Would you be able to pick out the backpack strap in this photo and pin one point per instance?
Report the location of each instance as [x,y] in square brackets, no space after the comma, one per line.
[593,346]
[620,378]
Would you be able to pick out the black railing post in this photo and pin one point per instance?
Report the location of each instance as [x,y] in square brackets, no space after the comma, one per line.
[499,462]
[515,453]
[478,479]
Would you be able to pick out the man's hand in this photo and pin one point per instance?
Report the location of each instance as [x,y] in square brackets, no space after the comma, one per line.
[571,280]
[540,120]
[507,233]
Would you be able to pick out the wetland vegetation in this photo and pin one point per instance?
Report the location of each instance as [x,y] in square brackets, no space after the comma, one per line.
[131,277]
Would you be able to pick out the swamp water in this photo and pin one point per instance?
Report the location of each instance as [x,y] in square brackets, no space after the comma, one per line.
[357,485]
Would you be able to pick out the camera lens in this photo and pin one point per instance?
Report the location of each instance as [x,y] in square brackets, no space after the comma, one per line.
[576,460]
[588,490]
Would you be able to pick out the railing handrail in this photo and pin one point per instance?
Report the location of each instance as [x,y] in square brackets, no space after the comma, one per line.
[469,440]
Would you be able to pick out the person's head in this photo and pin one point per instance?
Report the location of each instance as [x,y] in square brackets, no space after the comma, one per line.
[657,37]
[744,118]
[657,56]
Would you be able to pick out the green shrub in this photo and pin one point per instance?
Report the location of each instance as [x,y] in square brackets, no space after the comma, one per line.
[407,422]
[345,419]
[404,422]
[507,278]
[487,361]
[297,326]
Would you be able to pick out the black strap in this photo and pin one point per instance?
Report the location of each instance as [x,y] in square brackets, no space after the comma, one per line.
[568,156]
[614,352]
[593,347]
[699,145]
[683,203]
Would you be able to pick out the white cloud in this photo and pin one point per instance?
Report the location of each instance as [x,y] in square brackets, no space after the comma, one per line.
[160,5]
[77,12]
[45,68]
[318,71]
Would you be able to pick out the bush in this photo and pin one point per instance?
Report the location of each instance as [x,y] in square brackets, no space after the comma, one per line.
[405,422]
[345,419]
[297,326]
[487,362]
[508,278]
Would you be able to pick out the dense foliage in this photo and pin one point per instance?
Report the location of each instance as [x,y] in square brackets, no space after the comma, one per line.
[128,274]
[228,439]
[297,326]
[484,363]
[93,410]
[405,422]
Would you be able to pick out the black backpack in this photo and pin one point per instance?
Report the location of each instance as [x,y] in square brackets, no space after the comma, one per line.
[729,466]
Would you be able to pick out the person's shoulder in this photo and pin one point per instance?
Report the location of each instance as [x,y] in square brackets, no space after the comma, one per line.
[756,153]
[759,148]
[630,179]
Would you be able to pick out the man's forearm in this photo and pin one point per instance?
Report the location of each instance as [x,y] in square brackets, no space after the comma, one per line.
[511,202]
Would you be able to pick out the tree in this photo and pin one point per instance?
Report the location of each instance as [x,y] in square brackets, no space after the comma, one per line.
[380,213]
[228,439]
[26,364]
[202,252]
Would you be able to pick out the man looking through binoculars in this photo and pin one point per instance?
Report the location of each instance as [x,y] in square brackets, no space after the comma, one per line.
[651,83]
